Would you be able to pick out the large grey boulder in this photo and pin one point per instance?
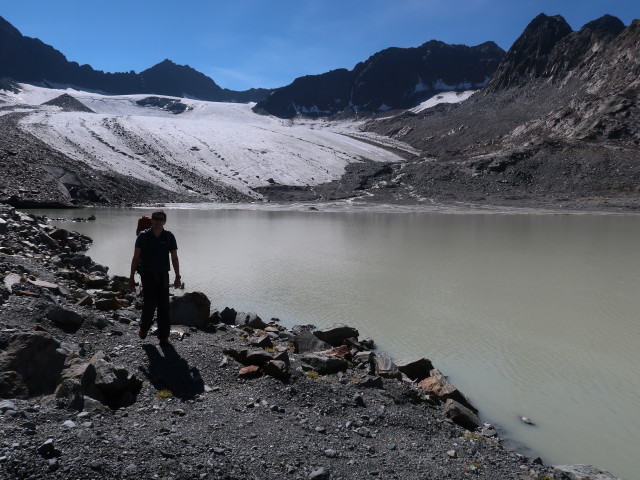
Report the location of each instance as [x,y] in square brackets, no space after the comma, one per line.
[385,367]
[31,364]
[110,384]
[305,341]
[323,364]
[336,334]
[584,472]
[250,320]
[64,318]
[191,309]
[461,415]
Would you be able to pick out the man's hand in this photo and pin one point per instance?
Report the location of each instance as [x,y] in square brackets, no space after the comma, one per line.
[132,283]
[177,282]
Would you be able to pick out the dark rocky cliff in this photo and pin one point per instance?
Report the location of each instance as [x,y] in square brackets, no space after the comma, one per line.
[391,79]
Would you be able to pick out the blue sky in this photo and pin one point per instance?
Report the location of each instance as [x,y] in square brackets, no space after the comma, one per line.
[261,43]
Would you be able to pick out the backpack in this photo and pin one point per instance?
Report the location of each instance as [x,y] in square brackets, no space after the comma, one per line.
[144,222]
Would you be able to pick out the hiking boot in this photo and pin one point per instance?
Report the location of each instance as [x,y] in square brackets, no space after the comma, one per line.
[165,341]
[142,333]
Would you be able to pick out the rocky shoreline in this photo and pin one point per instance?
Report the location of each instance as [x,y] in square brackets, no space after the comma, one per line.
[232,397]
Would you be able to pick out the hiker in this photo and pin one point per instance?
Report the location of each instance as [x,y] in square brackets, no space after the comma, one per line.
[153,248]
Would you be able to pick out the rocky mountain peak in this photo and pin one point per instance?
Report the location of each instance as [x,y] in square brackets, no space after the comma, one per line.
[528,56]
[607,24]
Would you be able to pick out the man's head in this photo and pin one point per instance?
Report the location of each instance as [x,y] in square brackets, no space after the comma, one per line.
[158,218]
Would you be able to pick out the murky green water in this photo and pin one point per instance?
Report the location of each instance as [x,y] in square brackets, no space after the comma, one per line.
[534,315]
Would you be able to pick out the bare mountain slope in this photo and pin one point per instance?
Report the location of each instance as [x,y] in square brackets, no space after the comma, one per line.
[559,123]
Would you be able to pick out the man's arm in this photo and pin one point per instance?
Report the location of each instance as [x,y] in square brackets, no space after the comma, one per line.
[176,268]
[134,265]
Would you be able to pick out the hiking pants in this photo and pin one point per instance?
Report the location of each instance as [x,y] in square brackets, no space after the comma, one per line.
[155,285]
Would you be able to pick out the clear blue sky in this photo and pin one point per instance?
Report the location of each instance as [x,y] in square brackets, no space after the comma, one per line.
[268,43]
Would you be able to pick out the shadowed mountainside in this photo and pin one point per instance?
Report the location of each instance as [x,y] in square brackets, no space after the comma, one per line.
[391,79]
[29,60]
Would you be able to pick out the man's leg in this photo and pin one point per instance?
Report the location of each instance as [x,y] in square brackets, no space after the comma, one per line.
[150,302]
[164,326]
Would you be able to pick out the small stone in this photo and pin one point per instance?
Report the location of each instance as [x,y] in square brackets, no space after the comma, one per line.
[321,430]
[527,420]
[319,474]
[330,453]
[95,465]
[358,400]
[452,453]
[364,432]
[7,405]
[53,464]
[47,449]
[69,424]
[130,470]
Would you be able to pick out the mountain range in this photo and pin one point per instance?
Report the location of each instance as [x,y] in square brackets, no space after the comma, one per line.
[26,59]
[394,78]
[554,122]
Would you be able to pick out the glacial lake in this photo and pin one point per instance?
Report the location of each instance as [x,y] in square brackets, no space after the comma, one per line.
[531,315]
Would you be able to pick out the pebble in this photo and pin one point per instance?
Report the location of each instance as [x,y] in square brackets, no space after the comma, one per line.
[320,474]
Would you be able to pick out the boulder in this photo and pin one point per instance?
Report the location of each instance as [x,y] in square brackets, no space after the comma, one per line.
[238,355]
[47,240]
[584,472]
[66,319]
[12,280]
[76,260]
[371,382]
[110,384]
[31,364]
[384,367]
[277,369]
[336,334]
[323,364]
[228,316]
[262,341]
[257,357]
[105,304]
[120,283]
[250,371]
[342,351]
[305,341]
[416,368]
[438,384]
[191,309]
[249,319]
[461,415]
[60,234]
[54,287]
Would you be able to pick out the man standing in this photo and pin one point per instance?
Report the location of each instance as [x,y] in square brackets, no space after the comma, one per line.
[153,249]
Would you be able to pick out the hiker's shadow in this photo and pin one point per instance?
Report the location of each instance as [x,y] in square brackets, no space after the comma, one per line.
[167,370]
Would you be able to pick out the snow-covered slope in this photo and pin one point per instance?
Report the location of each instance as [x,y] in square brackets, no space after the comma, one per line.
[208,142]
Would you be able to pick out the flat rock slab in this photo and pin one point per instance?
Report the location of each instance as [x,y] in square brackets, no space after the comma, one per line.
[324,364]
[585,472]
[336,334]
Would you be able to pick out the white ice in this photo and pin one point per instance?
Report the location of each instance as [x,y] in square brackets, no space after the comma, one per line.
[223,141]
